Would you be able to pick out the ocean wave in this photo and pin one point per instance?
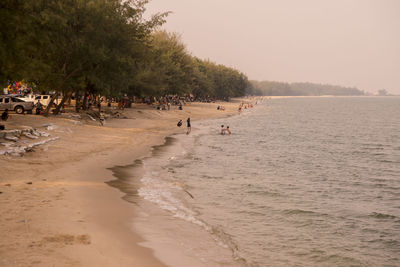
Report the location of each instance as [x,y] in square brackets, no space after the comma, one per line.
[264,193]
[215,148]
[299,211]
[160,193]
[378,154]
[388,161]
[379,215]
[205,176]
[226,240]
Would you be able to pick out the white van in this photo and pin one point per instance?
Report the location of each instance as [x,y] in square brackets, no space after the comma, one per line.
[44,99]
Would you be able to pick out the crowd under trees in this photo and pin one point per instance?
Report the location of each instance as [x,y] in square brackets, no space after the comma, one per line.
[104,47]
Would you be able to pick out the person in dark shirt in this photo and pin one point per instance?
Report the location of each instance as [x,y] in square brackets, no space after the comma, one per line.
[189,126]
[39,107]
[4,116]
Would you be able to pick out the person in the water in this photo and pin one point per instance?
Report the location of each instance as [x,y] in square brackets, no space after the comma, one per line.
[223,130]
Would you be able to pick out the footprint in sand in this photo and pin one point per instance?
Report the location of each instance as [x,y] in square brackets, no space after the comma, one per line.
[67,239]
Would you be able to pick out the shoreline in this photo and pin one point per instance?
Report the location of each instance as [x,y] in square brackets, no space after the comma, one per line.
[173,232]
[68,215]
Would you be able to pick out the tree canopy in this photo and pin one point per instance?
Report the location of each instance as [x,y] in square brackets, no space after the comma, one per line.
[66,45]
[104,47]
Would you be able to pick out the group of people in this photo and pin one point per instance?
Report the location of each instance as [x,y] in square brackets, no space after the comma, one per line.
[225,130]
[189,126]
[245,106]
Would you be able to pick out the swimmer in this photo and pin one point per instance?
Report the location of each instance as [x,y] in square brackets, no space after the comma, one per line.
[223,130]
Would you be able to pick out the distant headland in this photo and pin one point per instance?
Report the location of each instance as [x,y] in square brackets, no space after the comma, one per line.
[273,88]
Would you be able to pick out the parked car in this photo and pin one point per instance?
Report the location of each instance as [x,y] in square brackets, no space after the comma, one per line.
[27,98]
[13,103]
[44,100]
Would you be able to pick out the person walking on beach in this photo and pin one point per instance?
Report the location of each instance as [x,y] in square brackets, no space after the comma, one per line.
[189,126]
[102,118]
[228,130]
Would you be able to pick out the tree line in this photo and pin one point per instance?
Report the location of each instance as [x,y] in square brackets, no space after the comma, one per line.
[273,88]
[104,47]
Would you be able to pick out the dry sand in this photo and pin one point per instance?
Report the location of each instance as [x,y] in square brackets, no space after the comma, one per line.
[57,210]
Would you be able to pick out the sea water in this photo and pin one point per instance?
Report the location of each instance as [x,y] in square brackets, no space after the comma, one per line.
[299,182]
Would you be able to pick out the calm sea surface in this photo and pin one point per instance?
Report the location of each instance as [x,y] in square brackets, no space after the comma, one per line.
[300,182]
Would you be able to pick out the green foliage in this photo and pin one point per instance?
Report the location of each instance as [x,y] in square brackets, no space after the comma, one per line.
[11,60]
[167,68]
[104,47]
[67,45]
[170,69]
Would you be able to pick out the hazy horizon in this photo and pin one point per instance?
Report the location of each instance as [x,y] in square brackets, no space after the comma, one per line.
[349,43]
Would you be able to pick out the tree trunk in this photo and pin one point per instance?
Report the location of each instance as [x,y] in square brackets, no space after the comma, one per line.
[53,98]
[77,101]
[64,99]
[84,105]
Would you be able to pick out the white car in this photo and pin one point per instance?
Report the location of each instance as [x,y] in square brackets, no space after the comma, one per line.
[44,99]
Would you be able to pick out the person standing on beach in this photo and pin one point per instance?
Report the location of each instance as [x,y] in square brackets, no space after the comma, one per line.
[228,130]
[4,116]
[102,118]
[39,107]
[189,126]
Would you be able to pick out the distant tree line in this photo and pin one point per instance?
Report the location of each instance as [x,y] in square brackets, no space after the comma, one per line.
[300,89]
[104,47]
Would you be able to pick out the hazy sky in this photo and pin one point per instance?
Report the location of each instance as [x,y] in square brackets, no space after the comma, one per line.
[342,42]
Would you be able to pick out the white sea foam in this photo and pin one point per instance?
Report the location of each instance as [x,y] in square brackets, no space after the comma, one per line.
[161,193]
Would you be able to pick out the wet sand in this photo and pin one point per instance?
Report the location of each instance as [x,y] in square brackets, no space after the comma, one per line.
[57,209]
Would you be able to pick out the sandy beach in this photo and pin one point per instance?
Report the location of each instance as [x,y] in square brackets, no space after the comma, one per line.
[57,209]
